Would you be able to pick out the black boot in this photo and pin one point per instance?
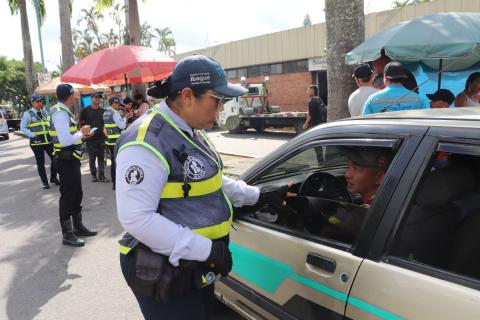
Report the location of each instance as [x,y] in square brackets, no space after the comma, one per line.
[69,238]
[79,229]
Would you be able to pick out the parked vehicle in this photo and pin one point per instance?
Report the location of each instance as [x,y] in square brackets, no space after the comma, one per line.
[4,127]
[416,251]
[252,110]
[12,121]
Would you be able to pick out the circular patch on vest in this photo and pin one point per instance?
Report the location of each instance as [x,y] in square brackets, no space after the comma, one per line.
[194,168]
[134,175]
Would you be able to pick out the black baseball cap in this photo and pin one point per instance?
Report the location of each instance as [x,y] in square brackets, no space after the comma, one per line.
[362,71]
[394,70]
[375,157]
[97,94]
[64,90]
[202,72]
[36,97]
[443,95]
[115,99]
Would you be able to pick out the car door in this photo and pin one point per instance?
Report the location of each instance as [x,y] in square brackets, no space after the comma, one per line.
[425,259]
[286,273]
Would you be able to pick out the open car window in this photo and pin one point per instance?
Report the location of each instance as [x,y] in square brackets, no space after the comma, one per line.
[333,188]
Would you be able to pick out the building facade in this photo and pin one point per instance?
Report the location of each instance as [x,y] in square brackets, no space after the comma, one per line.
[294,59]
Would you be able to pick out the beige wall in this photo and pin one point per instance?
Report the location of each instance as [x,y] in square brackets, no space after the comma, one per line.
[309,42]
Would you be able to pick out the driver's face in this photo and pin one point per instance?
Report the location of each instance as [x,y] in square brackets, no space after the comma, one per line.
[363,180]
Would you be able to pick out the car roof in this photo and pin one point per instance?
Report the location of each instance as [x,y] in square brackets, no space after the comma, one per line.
[450,117]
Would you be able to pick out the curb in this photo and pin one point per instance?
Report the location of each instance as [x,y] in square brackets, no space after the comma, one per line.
[236,155]
[19,133]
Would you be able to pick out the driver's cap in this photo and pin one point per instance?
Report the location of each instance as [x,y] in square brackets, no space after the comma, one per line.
[375,157]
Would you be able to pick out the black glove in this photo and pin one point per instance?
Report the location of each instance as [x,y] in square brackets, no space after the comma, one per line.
[272,195]
[220,258]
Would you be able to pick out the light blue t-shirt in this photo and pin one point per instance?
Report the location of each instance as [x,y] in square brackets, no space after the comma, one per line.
[393,98]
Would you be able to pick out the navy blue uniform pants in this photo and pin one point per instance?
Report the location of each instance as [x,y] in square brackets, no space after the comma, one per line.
[39,152]
[197,305]
[70,188]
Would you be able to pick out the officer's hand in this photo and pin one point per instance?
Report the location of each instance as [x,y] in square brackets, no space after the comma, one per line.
[86,132]
[220,258]
[273,195]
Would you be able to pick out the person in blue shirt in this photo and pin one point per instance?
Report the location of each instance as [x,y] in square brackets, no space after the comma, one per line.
[34,125]
[395,97]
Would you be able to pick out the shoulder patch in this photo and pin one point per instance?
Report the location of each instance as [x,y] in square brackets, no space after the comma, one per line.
[134,175]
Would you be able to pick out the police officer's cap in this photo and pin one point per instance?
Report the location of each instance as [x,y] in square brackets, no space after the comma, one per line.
[198,72]
[97,94]
[64,90]
[375,157]
[35,98]
[115,99]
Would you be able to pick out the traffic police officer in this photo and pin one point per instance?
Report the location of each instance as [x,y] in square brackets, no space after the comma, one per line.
[34,125]
[67,149]
[172,196]
[113,124]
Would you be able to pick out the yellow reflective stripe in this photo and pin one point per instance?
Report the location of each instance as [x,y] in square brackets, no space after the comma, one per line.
[54,133]
[113,136]
[149,147]
[124,250]
[142,131]
[110,143]
[217,231]
[39,133]
[36,124]
[76,155]
[201,188]
[110,125]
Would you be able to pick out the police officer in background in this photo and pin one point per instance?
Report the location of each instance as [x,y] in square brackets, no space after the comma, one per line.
[172,198]
[67,145]
[114,124]
[34,124]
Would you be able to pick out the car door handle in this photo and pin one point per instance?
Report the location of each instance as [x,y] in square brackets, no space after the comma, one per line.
[323,263]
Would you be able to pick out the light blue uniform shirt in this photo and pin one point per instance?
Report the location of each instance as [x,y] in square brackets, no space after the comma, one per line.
[137,204]
[26,119]
[394,97]
[61,120]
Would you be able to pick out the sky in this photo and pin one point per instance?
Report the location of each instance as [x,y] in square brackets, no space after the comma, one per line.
[194,24]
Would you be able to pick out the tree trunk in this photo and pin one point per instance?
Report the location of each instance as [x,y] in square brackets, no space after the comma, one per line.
[134,37]
[30,75]
[66,35]
[345,24]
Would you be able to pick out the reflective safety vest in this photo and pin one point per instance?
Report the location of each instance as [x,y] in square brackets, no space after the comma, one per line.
[39,127]
[113,131]
[76,148]
[193,195]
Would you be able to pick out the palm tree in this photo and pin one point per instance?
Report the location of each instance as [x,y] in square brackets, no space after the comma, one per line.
[404,3]
[166,43]
[21,6]
[91,17]
[65,10]
[146,35]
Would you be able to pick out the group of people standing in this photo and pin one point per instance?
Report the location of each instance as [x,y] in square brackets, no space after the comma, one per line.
[56,133]
[392,87]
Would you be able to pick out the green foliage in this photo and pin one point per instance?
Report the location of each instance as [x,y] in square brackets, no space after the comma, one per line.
[404,3]
[89,37]
[13,4]
[12,83]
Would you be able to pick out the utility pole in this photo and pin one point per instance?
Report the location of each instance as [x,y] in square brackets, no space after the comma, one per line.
[37,11]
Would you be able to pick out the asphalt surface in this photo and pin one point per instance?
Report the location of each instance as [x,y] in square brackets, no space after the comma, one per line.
[42,279]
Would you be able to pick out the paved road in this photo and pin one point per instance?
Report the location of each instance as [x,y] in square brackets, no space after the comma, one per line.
[250,143]
[39,277]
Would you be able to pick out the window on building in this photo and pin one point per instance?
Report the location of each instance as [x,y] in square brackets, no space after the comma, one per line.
[302,66]
[276,68]
[441,228]
[232,74]
[242,72]
[295,66]
[264,69]
[253,71]
[289,67]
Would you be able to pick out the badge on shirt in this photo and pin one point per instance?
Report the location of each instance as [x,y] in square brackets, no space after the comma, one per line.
[134,175]
[194,168]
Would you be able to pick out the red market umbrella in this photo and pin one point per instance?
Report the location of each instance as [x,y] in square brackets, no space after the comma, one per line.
[119,65]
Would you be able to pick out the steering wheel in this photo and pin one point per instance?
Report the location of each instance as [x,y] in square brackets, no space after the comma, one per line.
[324,185]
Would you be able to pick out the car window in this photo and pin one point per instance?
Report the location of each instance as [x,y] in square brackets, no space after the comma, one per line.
[441,227]
[333,188]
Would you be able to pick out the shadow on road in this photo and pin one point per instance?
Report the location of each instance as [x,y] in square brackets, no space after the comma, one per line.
[36,256]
